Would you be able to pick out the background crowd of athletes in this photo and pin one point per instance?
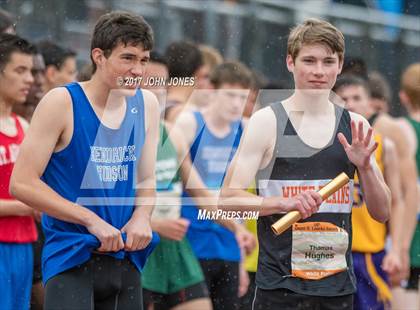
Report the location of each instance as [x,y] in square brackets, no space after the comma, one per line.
[55,65]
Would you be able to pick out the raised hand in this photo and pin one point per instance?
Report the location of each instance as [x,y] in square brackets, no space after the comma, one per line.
[360,150]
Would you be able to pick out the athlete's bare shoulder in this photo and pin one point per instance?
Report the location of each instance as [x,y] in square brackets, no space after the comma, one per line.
[408,130]
[186,124]
[261,131]
[55,106]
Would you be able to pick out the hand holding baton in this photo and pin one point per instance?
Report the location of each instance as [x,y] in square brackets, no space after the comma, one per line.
[292,217]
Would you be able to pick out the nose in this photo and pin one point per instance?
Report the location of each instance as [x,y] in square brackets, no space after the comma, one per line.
[29,78]
[138,70]
[318,69]
[349,104]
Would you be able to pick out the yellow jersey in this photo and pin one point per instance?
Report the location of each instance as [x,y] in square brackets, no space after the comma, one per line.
[368,234]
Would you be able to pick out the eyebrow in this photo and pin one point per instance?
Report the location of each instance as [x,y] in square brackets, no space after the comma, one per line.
[128,54]
[134,55]
[22,67]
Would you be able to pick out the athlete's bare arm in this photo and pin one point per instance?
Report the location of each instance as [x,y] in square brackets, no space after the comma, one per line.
[254,153]
[138,229]
[50,130]
[361,154]
[392,260]
[401,136]
[407,147]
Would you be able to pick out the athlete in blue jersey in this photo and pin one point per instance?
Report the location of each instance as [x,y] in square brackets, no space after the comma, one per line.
[213,136]
[88,164]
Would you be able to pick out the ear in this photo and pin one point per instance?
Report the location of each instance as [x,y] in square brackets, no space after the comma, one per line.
[404,99]
[50,72]
[290,63]
[98,56]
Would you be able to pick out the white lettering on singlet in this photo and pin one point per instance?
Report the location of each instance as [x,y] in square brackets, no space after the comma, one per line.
[216,157]
[112,155]
[339,202]
[13,153]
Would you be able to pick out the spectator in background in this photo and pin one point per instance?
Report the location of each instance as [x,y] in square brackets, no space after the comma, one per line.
[60,65]
[257,83]
[355,66]
[17,227]
[213,136]
[184,61]
[374,265]
[7,23]
[26,110]
[156,77]
[211,59]
[410,98]
[381,94]
[85,73]
[37,89]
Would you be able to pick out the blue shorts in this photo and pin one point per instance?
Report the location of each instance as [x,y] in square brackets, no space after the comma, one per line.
[373,290]
[16,265]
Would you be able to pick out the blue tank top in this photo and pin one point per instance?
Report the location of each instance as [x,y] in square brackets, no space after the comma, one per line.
[211,156]
[97,170]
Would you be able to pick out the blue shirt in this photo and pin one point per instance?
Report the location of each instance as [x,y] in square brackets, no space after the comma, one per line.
[211,156]
[97,170]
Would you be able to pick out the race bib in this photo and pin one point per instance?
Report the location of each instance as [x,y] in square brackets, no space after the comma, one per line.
[318,250]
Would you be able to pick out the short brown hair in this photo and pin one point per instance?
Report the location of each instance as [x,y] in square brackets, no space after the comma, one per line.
[120,27]
[211,56]
[232,72]
[379,87]
[410,84]
[315,31]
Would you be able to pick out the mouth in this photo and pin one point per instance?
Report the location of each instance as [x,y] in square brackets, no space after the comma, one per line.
[318,83]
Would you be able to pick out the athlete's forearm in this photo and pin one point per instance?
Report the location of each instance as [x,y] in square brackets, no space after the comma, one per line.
[13,207]
[397,225]
[206,200]
[242,200]
[145,203]
[376,193]
[39,196]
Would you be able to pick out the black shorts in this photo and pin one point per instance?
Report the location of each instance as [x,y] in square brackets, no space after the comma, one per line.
[103,282]
[222,278]
[166,301]
[37,248]
[285,299]
[413,280]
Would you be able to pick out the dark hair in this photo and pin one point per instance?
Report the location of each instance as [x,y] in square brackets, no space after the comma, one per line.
[184,59]
[158,58]
[10,43]
[120,27]
[6,20]
[53,54]
[232,72]
[355,66]
[351,80]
